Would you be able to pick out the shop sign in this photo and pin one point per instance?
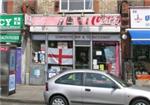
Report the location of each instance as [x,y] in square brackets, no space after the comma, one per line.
[4,49]
[10,37]
[75,29]
[140,18]
[11,21]
[90,20]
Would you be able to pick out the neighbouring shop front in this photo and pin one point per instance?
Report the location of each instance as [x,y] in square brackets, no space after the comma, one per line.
[140,42]
[74,43]
[10,52]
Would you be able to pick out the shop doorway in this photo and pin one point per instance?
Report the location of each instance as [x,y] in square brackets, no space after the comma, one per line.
[82,57]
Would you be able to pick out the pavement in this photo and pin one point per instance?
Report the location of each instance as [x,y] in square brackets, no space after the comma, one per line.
[31,94]
[26,94]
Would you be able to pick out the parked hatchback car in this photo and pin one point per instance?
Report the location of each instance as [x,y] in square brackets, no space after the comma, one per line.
[91,87]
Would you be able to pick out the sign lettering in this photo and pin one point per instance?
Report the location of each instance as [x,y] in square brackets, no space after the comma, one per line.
[93,20]
[11,21]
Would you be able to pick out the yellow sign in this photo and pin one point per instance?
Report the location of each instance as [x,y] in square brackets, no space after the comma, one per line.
[101,67]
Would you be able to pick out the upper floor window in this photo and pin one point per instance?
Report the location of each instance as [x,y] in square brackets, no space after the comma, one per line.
[3,4]
[76,5]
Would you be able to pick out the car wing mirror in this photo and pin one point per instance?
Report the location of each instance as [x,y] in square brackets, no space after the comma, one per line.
[114,86]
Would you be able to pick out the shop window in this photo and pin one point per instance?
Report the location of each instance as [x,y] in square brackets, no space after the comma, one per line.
[38,52]
[104,56]
[141,58]
[76,5]
[60,56]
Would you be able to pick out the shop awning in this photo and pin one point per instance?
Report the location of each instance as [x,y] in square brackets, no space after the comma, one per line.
[141,37]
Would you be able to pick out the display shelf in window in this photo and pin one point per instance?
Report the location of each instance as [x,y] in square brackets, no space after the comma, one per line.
[39,57]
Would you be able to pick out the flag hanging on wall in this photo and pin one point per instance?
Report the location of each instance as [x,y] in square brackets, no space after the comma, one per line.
[60,56]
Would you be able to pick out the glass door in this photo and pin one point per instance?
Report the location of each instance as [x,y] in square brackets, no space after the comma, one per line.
[82,57]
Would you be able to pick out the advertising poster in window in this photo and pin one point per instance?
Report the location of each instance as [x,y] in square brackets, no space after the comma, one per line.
[12,60]
[36,73]
[54,70]
[12,83]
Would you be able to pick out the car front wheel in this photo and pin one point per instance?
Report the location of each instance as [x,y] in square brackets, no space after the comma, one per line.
[58,100]
[140,102]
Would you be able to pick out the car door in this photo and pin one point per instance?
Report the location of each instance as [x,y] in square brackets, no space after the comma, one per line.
[71,85]
[98,91]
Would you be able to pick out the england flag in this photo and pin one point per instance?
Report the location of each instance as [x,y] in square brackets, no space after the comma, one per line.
[60,56]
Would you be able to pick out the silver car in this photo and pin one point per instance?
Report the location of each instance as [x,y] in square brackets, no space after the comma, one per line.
[91,87]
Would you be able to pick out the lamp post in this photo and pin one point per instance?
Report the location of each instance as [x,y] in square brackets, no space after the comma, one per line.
[123,40]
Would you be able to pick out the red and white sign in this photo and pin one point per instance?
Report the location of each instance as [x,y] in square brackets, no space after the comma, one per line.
[3,49]
[28,19]
[90,20]
[60,56]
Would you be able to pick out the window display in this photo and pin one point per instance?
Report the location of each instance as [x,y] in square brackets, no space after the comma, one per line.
[105,56]
[141,58]
[38,53]
[60,55]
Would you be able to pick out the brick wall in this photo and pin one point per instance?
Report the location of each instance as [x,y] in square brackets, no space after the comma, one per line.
[147,2]
[100,6]
[136,2]
[108,6]
[10,6]
[45,6]
[17,6]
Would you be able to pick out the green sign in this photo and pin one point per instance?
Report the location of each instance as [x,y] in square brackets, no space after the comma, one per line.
[11,21]
[10,37]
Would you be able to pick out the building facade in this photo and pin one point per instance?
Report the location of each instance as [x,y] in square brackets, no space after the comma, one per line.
[135,24]
[73,35]
[74,42]
[89,26]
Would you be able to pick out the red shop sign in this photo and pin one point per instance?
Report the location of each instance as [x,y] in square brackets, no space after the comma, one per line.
[3,49]
[94,20]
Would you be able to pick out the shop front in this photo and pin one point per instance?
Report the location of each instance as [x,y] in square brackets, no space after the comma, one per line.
[73,45]
[140,42]
[10,52]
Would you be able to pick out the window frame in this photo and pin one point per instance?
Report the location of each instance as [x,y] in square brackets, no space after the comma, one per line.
[81,84]
[75,11]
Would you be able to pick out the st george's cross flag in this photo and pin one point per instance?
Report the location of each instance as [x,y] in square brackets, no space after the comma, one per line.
[60,56]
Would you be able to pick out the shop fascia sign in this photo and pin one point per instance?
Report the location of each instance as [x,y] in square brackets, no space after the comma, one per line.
[95,23]
[11,21]
[140,18]
[92,20]
[4,49]
[10,37]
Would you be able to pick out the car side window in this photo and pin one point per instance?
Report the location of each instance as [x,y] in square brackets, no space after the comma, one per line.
[71,79]
[98,80]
